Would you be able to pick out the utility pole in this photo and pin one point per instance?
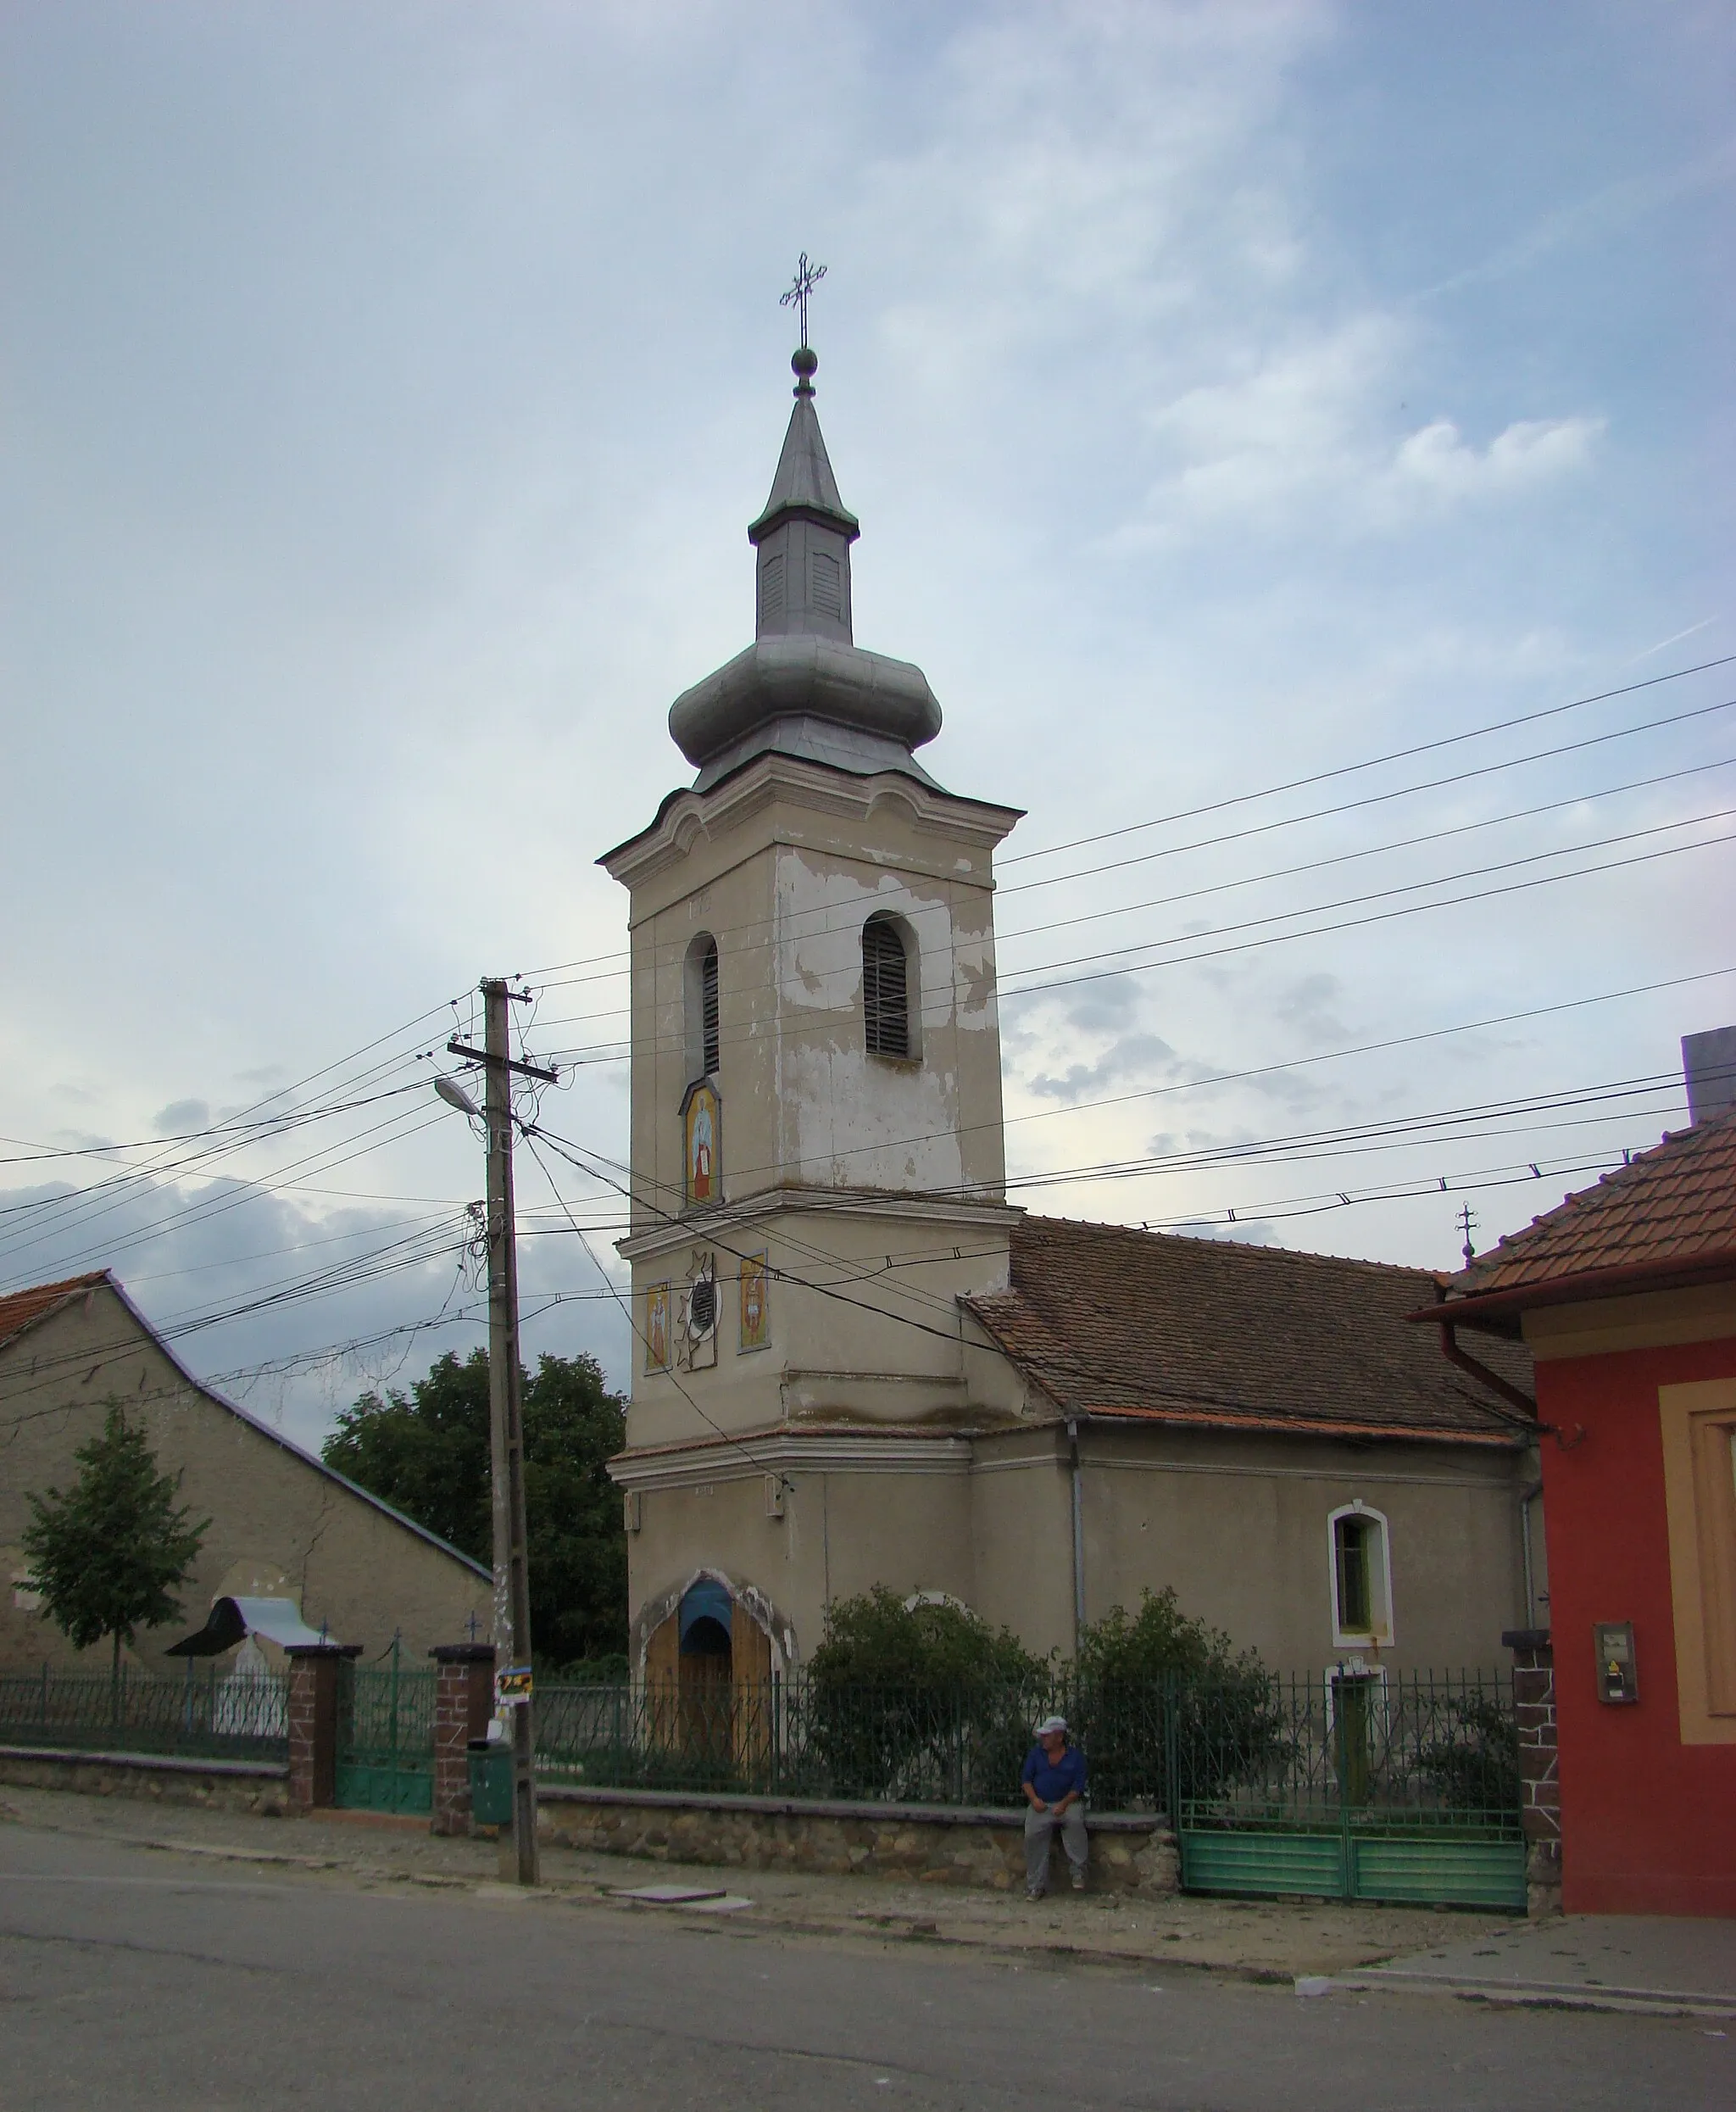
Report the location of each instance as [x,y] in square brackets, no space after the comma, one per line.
[512,1575]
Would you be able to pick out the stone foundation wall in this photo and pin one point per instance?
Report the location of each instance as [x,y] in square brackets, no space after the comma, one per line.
[933,1845]
[243,1787]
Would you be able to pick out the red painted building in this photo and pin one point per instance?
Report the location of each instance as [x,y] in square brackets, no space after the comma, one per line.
[1627,1297]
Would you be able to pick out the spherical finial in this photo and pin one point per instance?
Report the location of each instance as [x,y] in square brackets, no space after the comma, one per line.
[803,364]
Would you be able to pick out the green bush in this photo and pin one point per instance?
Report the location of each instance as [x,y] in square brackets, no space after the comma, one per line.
[1476,1765]
[1161,1676]
[920,1702]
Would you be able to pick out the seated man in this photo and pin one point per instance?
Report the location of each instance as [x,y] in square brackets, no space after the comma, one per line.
[1054,1779]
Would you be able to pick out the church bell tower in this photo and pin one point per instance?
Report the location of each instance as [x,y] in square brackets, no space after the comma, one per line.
[817,1153]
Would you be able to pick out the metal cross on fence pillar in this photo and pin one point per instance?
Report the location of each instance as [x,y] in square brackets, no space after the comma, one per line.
[808,277]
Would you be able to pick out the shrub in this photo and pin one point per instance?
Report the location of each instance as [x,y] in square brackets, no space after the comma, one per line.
[919,1701]
[1476,1766]
[1161,1676]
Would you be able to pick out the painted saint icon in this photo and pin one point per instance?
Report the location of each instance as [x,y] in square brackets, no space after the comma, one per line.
[702,1137]
[756,1304]
[657,1328]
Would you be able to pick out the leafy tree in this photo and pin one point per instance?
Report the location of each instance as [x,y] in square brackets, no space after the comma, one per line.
[106,1555]
[426,1453]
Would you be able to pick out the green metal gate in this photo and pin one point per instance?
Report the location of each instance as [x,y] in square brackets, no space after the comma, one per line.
[386,1738]
[1353,1785]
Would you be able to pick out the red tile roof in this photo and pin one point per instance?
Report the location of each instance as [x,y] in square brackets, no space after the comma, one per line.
[18,1309]
[1150,1326]
[1670,1216]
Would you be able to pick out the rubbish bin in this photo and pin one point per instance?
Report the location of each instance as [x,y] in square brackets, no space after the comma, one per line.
[491,1782]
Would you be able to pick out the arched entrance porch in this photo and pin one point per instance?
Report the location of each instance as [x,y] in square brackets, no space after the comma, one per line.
[709,1690]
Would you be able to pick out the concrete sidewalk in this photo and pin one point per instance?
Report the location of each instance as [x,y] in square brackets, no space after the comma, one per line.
[1639,1963]
[1253,1940]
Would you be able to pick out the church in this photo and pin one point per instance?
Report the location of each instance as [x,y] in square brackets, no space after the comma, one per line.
[855,1363]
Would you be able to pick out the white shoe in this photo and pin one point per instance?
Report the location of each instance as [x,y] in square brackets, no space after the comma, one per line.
[1078,1880]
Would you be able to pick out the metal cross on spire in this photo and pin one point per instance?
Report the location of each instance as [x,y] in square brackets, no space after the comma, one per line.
[808,277]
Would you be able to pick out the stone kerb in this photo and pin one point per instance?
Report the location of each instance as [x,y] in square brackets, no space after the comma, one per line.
[1539,1784]
[464,1701]
[313,1721]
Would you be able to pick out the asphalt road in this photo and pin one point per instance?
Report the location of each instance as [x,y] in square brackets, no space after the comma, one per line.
[135,1980]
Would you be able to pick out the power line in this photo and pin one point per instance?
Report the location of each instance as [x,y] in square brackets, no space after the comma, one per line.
[1378,851]
[940,1009]
[1374,762]
[327,1157]
[1379,916]
[1272,1070]
[529,1135]
[551,979]
[799,931]
[1414,887]
[704,1228]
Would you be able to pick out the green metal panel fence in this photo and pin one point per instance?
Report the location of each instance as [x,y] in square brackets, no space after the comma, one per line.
[386,1738]
[1399,1788]
[238,1716]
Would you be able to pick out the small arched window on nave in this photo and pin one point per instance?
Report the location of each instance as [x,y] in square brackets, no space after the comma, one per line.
[886,988]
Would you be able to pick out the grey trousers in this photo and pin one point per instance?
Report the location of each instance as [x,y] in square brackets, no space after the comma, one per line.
[1040,1830]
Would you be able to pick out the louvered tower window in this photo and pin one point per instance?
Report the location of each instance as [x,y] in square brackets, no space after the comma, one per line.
[708,1008]
[886,997]
[828,584]
[770,588]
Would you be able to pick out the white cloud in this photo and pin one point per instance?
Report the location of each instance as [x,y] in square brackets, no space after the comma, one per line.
[1298,431]
[1530,451]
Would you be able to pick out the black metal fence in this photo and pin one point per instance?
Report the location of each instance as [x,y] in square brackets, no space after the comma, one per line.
[239,1716]
[1254,1749]
[1407,1750]
[1349,1745]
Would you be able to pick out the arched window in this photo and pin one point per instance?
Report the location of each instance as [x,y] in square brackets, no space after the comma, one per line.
[1361,1576]
[701,1007]
[886,1022]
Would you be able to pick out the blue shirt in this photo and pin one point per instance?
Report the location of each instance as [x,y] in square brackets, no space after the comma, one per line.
[1053,1780]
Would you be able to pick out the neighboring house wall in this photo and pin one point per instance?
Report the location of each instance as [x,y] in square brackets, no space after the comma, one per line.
[1648,1789]
[281,1524]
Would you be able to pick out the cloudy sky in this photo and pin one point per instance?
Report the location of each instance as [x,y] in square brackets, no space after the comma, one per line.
[1232,395]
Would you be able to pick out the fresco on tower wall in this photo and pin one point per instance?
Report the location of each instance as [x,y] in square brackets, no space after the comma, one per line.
[657,1328]
[702,1143]
[756,1303]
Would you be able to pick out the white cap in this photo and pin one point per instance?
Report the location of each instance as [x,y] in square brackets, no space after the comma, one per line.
[1050,1724]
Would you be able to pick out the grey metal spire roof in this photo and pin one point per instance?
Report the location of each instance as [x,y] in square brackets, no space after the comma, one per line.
[804,687]
[804,483]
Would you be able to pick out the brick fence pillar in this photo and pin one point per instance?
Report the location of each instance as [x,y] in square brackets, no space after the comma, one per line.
[313,1720]
[464,1701]
[1539,1786]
